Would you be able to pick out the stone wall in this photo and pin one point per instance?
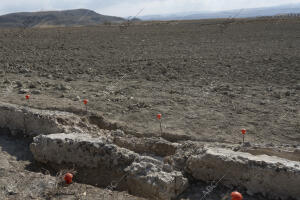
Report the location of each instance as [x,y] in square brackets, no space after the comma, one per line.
[274,177]
[145,176]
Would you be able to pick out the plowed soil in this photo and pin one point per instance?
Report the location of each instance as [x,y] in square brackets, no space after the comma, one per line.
[207,78]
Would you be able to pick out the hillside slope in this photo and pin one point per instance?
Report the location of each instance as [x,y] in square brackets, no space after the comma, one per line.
[78,17]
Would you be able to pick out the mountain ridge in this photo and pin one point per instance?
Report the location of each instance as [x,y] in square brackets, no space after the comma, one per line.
[75,17]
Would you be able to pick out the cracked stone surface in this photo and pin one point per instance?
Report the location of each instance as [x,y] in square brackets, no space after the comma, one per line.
[145,176]
[274,177]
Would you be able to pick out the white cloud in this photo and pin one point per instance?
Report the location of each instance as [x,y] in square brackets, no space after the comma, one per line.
[126,8]
[131,7]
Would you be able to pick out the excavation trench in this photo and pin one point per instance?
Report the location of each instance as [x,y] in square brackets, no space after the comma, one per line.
[153,168]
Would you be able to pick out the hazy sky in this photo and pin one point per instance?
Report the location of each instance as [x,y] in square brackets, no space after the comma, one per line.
[131,7]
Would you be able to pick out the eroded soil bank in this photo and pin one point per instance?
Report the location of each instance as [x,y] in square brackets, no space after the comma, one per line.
[152,167]
[22,178]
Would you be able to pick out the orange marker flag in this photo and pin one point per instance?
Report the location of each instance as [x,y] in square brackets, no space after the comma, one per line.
[85,101]
[68,178]
[236,196]
[158,116]
[244,131]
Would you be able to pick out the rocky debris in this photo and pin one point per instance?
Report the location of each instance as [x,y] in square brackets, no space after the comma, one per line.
[24,71]
[6,81]
[63,87]
[47,84]
[49,76]
[73,147]
[148,167]
[222,88]
[246,144]
[76,98]
[287,93]
[182,154]
[24,91]
[145,176]
[276,95]
[32,85]
[69,79]
[28,121]
[150,178]
[19,84]
[18,182]
[155,146]
[274,177]
[297,151]
[101,122]
[36,92]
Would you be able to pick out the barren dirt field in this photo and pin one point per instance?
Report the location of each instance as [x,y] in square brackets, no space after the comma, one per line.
[208,79]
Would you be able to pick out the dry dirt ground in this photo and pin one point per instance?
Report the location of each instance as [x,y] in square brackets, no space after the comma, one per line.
[208,78]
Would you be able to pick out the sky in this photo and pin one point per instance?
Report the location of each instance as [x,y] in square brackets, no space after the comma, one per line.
[125,8]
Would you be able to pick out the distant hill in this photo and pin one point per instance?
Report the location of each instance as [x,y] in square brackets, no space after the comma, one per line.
[252,12]
[78,17]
